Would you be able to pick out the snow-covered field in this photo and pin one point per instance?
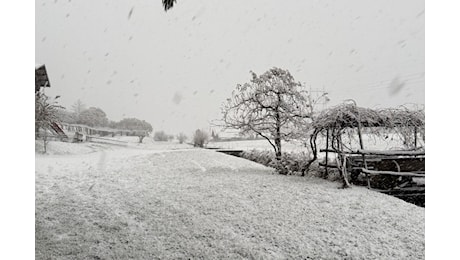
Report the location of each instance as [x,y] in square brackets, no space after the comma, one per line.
[371,142]
[105,143]
[256,144]
[171,201]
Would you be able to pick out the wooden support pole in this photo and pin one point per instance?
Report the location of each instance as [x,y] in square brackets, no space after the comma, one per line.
[343,160]
[390,153]
[346,184]
[377,152]
[408,174]
[327,147]
[361,145]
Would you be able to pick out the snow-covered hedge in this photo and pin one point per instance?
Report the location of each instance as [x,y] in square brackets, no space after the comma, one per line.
[291,163]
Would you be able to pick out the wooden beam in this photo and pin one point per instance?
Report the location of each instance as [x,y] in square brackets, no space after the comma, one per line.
[405,189]
[328,165]
[410,174]
[376,152]
[401,153]
[408,195]
[327,147]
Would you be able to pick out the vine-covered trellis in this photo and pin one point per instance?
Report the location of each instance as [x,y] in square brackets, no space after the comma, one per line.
[349,120]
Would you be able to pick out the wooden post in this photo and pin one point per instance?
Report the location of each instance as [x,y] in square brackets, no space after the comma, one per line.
[343,160]
[362,147]
[415,137]
[360,136]
[327,147]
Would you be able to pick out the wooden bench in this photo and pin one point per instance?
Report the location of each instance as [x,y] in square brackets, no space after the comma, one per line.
[386,172]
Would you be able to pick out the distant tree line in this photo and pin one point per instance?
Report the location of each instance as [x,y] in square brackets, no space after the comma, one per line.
[199,138]
[96,117]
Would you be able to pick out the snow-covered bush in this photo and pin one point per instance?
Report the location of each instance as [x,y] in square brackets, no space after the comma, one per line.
[293,163]
[181,138]
[160,136]
[200,138]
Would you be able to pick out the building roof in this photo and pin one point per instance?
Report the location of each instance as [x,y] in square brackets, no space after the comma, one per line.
[41,77]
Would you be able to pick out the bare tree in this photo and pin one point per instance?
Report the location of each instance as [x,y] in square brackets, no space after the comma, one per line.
[214,136]
[141,128]
[200,138]
[93,116]
[272,105]
[160,136]
[78,107]
[181,137]
[141,135]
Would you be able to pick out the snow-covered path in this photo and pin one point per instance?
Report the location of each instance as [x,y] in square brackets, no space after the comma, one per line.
[161,204]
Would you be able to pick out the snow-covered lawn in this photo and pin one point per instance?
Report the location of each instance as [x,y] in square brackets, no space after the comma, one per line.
[255,144]
[172,203]
[64,148]
[105,143]
[371,142]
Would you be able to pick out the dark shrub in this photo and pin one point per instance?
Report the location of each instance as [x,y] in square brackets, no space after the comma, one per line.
[200,138]
[290,163]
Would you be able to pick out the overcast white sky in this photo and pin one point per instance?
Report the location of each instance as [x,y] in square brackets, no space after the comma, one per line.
[174,69]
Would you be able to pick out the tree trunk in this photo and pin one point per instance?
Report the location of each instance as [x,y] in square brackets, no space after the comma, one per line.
[278,133]
[313,150]
[278,148]
[281,168]
[44,143]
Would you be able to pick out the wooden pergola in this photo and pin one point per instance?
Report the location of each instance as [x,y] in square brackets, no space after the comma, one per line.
[392,167]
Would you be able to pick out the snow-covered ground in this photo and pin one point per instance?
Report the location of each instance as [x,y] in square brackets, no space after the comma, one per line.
[105,143]
[64,148]
[371,142]
[165,200]
[256,144]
